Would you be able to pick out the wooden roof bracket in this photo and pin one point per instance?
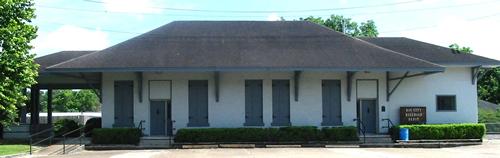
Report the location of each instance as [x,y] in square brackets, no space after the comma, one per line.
[296,79]
[350,75]
[389,91]
[140,77]
[94,89]
[475,74]
[216,85]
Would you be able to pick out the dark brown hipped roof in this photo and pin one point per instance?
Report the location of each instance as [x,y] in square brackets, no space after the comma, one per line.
[430,52]
[245,45]
[59,57]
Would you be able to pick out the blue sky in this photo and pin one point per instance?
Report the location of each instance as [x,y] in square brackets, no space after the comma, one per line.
[97,24]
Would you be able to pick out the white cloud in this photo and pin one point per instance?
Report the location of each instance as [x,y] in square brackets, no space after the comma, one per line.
[480,35]
[273,17]
[69,37]
[132,6]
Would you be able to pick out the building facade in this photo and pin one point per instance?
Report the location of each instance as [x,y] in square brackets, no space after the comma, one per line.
[209,74]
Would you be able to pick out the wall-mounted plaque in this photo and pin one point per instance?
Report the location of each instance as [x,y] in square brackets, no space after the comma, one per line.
[412,115]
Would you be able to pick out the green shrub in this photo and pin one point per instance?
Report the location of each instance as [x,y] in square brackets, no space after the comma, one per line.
[66,125]
[340,134]
[488,115]
[116,136]
[443,131]
[283,134]
[91,124]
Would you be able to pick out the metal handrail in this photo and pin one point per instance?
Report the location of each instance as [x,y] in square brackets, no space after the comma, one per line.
[70,132]
[361,129]
[43,131]
[140,125]
[389,123]
[40,141]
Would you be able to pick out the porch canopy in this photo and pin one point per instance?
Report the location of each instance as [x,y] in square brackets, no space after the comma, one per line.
[294,46]
[57,80]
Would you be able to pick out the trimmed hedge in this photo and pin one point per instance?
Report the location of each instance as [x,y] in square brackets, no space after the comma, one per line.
[340,134]
[442,131]
[284,134]
[116,136]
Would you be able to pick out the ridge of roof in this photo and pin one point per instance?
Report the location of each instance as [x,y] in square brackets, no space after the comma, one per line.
[72,59]
[58,57]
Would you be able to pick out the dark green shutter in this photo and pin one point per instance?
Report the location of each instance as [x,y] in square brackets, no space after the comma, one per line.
[198,103]
[253,103]
[124,103]
[281,103]
[331,103]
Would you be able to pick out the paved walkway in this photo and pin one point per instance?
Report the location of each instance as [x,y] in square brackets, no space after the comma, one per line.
[490,149]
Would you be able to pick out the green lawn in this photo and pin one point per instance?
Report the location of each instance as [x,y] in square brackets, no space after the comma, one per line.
[13,147]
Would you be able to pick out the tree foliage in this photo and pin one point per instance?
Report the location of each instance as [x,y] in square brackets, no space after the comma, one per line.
[17,67]
[488,86]
[464,50]
[346,25]
[71,101]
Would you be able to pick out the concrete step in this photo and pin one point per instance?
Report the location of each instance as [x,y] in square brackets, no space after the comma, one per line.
[156,141]
[72,146]
[376,139]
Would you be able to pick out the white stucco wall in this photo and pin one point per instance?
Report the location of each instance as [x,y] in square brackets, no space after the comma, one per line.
[422,91]
[229,111]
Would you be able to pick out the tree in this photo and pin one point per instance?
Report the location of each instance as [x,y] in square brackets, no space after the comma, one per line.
[346,25]
[488,86]
[71,101]
[464,50]
[17,67]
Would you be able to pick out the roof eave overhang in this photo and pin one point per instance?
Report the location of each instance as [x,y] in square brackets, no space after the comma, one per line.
[470,64]
[208,69]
